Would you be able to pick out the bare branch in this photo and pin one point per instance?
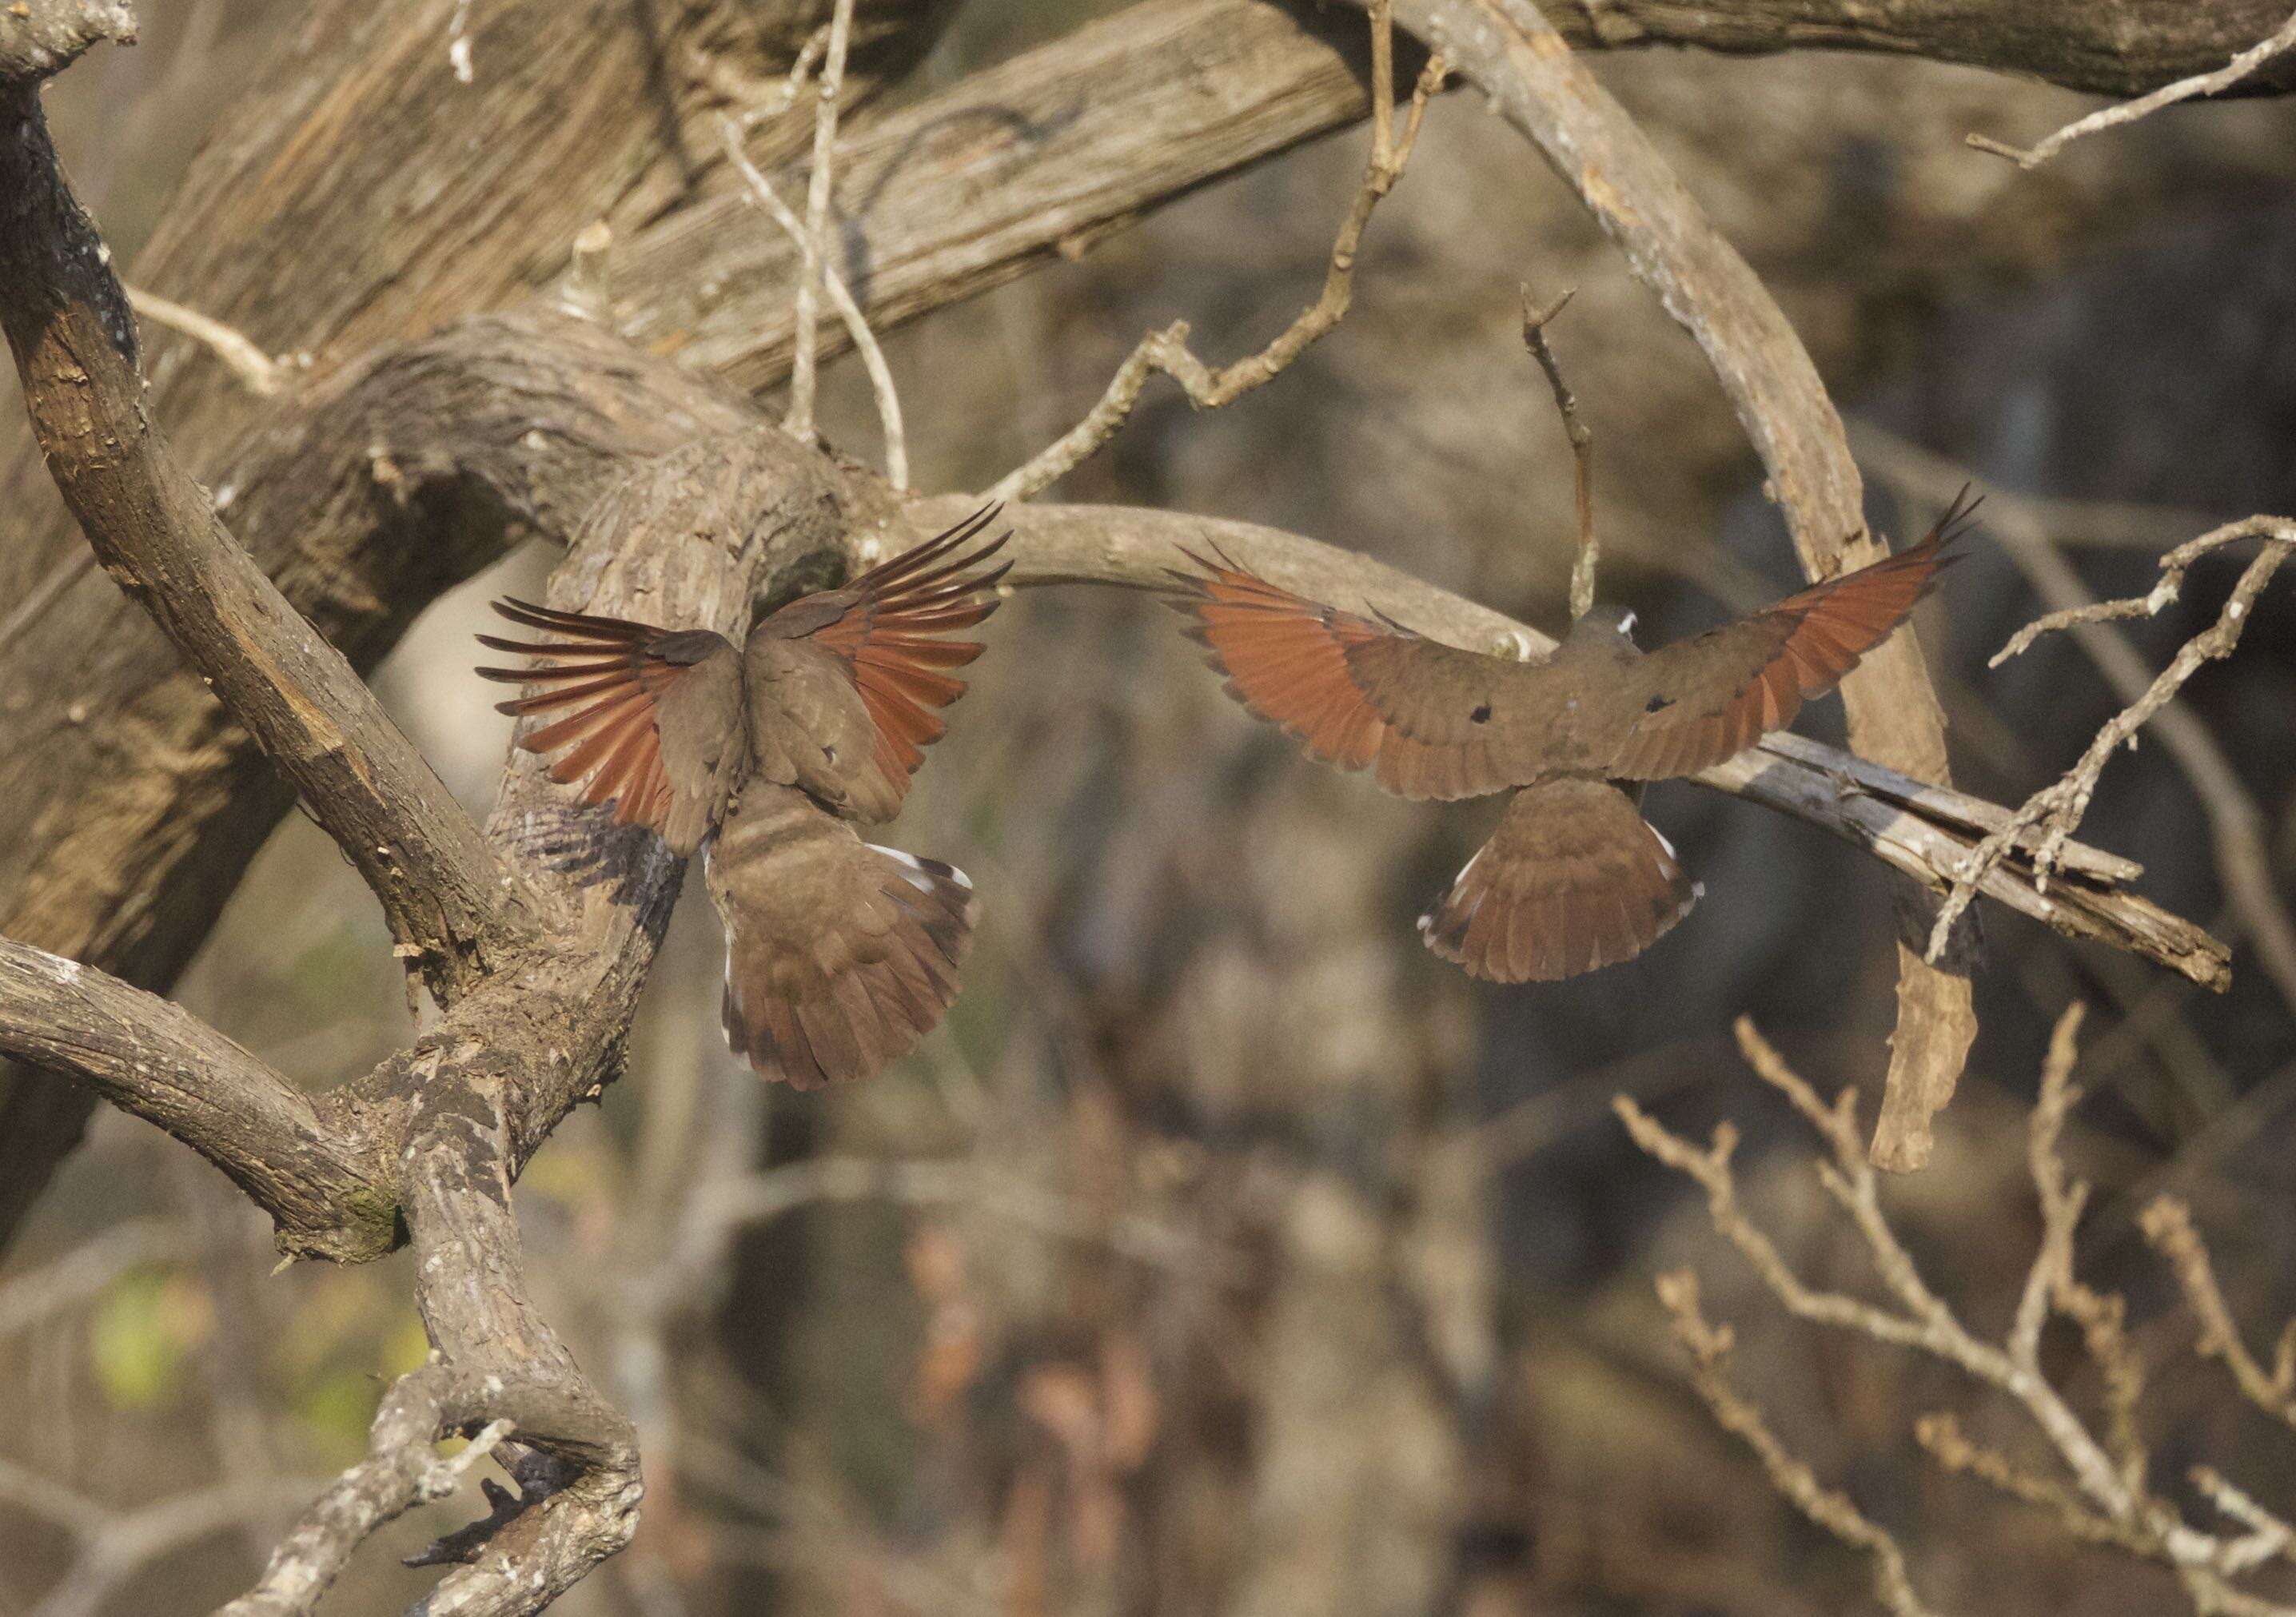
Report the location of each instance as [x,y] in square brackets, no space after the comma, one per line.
[2107,1499]
[856,325]
[2058,809]
[263,375]
[815,244]
[1922,833]
[2168,1225]
[68,321]
[1582,445]
[158,1062]
[2224,78]
[1709,1347]
[2031,536]
[1167,350]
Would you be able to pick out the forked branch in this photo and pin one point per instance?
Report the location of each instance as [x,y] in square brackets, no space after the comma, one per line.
[2104,1494]
[2056,811]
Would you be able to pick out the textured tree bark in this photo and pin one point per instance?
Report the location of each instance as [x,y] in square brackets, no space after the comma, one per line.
[366,195]
[2112,47]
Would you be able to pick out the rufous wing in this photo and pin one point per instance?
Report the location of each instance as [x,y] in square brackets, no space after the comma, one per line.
[651,717]
[1431,719]
[1572,880]
[885,628]
[839,955]
[1710,698]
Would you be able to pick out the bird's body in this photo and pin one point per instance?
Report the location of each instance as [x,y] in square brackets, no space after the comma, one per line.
[1573,879]
[839,955]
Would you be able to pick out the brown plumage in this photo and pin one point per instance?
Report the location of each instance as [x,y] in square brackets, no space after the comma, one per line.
[841,955]
[1573,879]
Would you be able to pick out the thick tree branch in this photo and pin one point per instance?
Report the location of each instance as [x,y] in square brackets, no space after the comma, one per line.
[1509,49]
[157,1061]
[157,531]
[2228,77]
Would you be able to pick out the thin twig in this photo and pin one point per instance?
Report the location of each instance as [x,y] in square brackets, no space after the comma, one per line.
[242,356]
[849,310]
[2237,823]
[1709,1347]
[1167,350]
[2058,809]
[798,422]
[1582,445]
[2107,1499]
[2168,1225]
[2128,112]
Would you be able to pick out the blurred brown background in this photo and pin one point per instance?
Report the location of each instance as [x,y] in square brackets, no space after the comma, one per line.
[1257,1263]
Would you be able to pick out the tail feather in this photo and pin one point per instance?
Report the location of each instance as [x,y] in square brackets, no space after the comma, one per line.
[1571,881]
[841,955]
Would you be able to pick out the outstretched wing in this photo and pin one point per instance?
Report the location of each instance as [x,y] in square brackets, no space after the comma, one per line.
[1434,721]
[652,716]
[884,628]
[1711,697]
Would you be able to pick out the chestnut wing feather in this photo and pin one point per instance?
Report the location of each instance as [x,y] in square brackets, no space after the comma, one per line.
[885,629]
[1433,721]
[1707,698]
[651,717]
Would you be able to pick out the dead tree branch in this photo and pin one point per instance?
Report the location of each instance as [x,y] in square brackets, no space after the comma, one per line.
[2057,810]
[814,245]
[1709,1347]
[263,375]
[2168,1224]
[2237,823]
[2105,1496]
[1168,351]
[1535,321]
[849,311]
[2232,73]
